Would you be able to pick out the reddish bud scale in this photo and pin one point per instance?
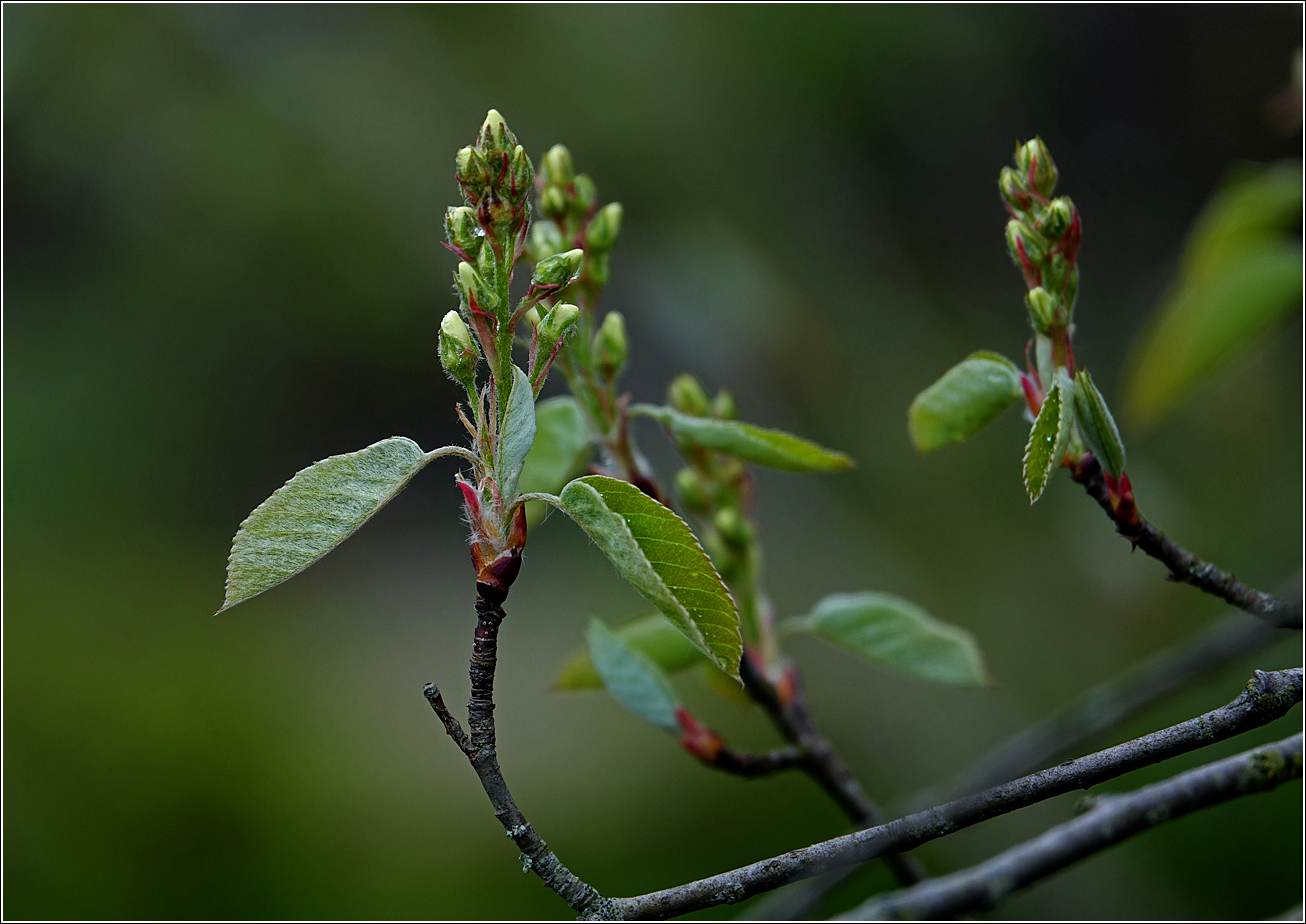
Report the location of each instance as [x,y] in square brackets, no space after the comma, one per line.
[1033,278]
[1033,394]
[698,739]
[1121,493]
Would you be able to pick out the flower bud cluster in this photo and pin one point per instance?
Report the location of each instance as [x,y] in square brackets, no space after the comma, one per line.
[496,178]
[1042,237]
[568,202]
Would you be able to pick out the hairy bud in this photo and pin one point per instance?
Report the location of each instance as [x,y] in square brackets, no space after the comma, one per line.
[559,270]
[1036,166]
[687,396]
[557,167]
[610,344]
[1042,306]
[463,230]
[473,288]
[557,323]
[458,354]
[604,228]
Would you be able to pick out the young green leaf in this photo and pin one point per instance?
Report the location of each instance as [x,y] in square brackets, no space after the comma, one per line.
[516,435]
[771,448]
[969,396]
[654,550]
[1049,436]
[652,636]
[899,634]
[632,678]
[315,511]
[561,448]
[1097,424]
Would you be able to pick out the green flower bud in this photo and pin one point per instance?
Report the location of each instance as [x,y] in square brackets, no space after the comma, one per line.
[691,490]
[687,396]
[557,324]
[1057,218]
[533,316]
[473,289]
[463,230]
[734,529]
[553,202]
[522,175]
[546,240]
[559,270]
[458,353]
[1042,306]
[496,137]
[1036,166]
[604,227]
[586,194]
[610,344]
[469,168]
[1097,424]
[724,407]
[558,170]
[1013,189]
[1021,238]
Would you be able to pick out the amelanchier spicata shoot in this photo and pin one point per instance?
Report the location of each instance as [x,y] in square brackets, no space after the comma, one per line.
[704,584]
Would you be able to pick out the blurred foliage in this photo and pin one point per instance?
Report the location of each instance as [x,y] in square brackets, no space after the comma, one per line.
[222,262]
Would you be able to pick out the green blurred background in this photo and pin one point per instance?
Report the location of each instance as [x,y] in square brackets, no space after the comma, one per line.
[222,262]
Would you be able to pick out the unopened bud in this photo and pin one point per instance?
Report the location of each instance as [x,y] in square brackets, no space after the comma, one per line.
[1042,306]
[469,168]
[610,344]
[1036,166]
[458,354]
[1025,245]
[495,135]
[533,316]
[687,396]
[586,193]
[691,490]
[546,240]
[557,168]
[463,230]
[473,288]
[557,324]
[558,270]
[732,526]
[523,175]
[1057,218]
[1013,189]
[553,202]
[604,228]
[724,407]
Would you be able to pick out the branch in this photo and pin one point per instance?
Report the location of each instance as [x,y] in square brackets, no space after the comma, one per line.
[480,750]
[1111,820]
[794,721]
[1185,567]
[1268,696]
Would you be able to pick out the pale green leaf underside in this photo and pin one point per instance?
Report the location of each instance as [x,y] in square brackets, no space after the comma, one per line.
[314,512]
[1049,436]
[651,635]
[518,433]
[632,678]
[759,445]
[654,550]
[967,398]
[560,451]
[1097,425]
[1207,322]
[898,634]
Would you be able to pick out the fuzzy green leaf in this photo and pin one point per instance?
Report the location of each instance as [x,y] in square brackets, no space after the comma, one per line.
[969,396]
[759,445]
[315,511]
[1097,424]
[1049,436]
[899,634]
[654,550]
[632,678]
[517,434]
[652,636]
[561,449]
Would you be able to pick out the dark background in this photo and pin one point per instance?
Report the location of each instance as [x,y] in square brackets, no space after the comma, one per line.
[222,262]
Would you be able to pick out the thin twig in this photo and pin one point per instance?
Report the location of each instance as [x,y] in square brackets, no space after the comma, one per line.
[480,750]
[794,721]
[1090,715]
[1267,696]
[1185,567]
[1111,820]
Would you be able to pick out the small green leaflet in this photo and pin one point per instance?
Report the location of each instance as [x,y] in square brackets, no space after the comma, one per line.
[969,397]
[771,448]
[632,679]
[516,435]
[561,449]
[315,511]
[1097,424]
[1049,436]
[652,636]
[1239,277]
[899,634]
[654,550]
